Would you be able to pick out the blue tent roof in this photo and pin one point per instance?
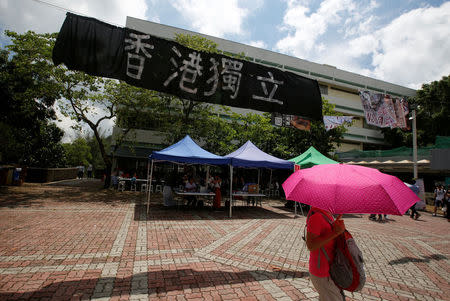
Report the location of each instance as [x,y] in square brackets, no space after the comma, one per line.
[248,155]
[413,187]
[187,151]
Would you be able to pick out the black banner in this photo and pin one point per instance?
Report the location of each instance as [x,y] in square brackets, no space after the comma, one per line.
[143,60]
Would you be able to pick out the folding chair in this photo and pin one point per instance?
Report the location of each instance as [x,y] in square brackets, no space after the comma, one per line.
[121,186]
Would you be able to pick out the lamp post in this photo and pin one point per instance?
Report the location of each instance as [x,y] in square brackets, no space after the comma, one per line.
[414,132]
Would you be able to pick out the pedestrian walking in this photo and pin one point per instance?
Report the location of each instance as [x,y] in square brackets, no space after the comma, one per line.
[89,171]
[414,214]
[322,234]
[447,200]
[80,171]
[439,194]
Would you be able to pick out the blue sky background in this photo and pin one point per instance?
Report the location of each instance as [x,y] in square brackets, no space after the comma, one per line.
[404,42]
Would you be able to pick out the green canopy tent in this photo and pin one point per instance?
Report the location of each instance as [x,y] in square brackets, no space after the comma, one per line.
[308,159]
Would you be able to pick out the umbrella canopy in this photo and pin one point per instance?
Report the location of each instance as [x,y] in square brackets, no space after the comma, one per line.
[312,157]
[342,188]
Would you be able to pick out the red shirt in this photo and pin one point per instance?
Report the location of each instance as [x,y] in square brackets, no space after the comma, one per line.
[316,224]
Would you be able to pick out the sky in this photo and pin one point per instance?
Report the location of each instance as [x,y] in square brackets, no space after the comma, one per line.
[405,42]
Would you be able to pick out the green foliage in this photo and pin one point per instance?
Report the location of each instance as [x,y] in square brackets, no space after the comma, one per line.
[433,115]
[196,42]
[433,111]
[28,92]
[78,152]
[41,84]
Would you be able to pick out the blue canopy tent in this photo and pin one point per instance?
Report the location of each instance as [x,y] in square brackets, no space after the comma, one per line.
[184,151]
[248,155]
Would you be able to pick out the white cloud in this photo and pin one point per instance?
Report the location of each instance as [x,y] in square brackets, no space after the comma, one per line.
[259,44]
[213,17]
[415,47]
[410,50]
[23,15]
[305,27]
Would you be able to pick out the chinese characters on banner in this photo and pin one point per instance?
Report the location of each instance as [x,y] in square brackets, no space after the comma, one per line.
[383,110]
[147,61]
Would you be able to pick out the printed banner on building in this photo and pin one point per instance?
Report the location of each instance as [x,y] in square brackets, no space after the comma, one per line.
[383,110]
[291,121]
[147,61]
[332,122]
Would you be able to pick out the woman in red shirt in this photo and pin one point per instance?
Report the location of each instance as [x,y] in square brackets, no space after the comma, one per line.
[321,233]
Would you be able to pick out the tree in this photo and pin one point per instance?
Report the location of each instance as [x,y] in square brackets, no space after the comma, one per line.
[28,93]
[78,152]
[97,160]
[284,142]
[432,104]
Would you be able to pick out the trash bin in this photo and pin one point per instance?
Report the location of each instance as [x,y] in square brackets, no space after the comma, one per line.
[16,176]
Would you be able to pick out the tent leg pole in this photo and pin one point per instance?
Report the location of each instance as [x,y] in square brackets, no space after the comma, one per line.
[259,174]
[149,186]
[231,190]
[270,183]
[207,176]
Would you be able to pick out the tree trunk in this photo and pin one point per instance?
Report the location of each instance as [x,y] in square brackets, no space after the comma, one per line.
[108,175]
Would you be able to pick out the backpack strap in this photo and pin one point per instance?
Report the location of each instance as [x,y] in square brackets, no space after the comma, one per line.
[310,212]
[322,248]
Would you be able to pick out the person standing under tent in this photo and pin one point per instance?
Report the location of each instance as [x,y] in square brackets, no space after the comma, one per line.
[191,187]
[321,237]
[170,183]
[218,196]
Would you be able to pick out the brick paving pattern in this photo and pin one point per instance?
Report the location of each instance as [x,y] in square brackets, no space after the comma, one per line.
[75,241]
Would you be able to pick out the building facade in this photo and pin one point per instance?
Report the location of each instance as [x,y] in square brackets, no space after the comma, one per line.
[339,87]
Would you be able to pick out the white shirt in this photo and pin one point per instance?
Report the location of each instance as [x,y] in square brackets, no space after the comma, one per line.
[440,193]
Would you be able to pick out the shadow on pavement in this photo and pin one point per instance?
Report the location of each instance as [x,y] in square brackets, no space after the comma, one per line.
[159,212]
[403,260]
[158,282]
[34,195]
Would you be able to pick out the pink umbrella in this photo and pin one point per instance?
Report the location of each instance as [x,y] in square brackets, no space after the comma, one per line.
[343,188]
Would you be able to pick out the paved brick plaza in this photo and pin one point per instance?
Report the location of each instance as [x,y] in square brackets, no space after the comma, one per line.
[79,242]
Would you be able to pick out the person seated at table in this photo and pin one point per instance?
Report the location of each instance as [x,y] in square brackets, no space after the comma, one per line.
[241,184]
[115,181]
[191,187]
[133,182]
[170,183]
[218,196]
[210,183]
